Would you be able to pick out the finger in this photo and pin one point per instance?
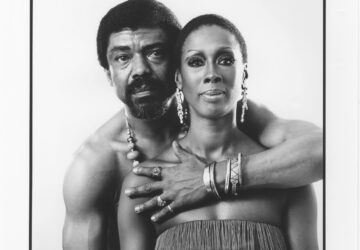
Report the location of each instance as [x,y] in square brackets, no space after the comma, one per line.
[150,204]
[180,152]
[156,163]
[146,206]
[165,212]
[149,171]
[147,189]
[182,203]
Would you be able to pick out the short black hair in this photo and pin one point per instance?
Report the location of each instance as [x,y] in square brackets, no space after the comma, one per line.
[204,20]
[134,14]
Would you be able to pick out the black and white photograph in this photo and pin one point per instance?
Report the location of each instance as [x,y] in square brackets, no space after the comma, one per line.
[216,105]
[178,125]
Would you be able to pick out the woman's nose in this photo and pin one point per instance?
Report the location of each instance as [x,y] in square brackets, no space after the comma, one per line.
[211,75]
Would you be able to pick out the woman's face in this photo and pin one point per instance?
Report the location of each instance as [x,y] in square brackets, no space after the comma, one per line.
[211,71]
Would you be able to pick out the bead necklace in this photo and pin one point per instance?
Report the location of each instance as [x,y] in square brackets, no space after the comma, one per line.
[131,138]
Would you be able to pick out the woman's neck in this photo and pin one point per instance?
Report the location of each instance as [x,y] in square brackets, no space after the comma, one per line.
[211,138]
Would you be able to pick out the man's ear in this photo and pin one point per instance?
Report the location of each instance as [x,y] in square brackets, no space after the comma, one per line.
[108,76]
[178,79]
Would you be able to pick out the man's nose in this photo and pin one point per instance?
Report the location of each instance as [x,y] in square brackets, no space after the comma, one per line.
[140,66]
[211,74]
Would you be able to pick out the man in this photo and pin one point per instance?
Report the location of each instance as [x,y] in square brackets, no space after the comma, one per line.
[134,43]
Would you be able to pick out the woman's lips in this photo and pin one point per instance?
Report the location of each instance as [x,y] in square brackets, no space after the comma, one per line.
[212,94]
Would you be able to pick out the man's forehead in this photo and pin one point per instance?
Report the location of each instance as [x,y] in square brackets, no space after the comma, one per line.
[140,37]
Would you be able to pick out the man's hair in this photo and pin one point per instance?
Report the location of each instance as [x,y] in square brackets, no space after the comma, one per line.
[204,20]
[135,14]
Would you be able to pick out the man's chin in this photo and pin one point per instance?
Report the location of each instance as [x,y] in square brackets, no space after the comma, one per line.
[149,111]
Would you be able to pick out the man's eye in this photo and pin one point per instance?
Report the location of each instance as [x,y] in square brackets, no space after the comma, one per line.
[122,58]
[195,62]
[156,54]
[226,60]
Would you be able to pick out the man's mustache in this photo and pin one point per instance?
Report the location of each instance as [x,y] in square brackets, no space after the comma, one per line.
[145,84]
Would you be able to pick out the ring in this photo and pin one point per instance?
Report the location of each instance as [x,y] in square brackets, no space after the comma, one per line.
[170,209]
[160,202]
[156,172]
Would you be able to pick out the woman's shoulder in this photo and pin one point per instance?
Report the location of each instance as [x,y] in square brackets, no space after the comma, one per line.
[246,145]
[133,180]
[167,155]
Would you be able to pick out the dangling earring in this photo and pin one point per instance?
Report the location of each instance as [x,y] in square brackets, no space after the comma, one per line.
[179,99]
[244,96]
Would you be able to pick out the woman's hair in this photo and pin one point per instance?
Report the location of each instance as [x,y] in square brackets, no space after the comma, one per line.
[135,14]
[204,20]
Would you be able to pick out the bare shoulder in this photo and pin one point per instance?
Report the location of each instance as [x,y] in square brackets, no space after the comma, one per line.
[94,172]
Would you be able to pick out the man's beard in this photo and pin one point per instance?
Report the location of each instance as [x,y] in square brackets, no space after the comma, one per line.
[153,107]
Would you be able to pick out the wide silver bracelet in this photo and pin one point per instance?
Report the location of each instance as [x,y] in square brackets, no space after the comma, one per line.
[212,180]
[206,178]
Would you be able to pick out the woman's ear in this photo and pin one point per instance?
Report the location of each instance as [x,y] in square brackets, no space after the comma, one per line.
[178,79]
[108,76]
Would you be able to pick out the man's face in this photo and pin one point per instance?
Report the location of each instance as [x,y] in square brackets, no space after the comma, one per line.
[140,71]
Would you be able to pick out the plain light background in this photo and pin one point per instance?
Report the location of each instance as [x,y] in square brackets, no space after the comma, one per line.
[72,98]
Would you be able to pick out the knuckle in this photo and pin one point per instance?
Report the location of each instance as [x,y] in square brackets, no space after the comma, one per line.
[147,187]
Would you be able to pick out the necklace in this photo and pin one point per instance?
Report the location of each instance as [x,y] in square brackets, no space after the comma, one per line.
[131,139]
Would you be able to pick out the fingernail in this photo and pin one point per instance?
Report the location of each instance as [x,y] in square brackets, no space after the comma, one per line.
[135,170]
[137,209]
[153,218]
[127,191]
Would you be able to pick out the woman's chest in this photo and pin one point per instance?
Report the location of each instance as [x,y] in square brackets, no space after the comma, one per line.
[267,206]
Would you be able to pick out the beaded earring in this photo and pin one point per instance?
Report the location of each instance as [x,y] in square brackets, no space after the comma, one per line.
[244,96]
[179,100]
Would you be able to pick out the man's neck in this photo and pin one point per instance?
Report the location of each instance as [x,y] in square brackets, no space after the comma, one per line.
[159,129]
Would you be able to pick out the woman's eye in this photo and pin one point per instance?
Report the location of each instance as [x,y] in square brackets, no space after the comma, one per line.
[195,62]
[226,60]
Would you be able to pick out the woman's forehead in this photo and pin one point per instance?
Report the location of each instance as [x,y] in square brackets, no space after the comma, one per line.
[210,36]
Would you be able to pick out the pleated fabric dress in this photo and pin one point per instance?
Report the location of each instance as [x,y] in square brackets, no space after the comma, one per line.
[221,234]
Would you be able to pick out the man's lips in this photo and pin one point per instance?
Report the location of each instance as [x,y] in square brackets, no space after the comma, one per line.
[147,95]
[144,93]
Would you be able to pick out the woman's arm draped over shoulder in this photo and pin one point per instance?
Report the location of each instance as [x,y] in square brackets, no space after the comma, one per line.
[135,230]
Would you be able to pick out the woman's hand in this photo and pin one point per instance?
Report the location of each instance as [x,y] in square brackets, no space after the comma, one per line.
[180,185]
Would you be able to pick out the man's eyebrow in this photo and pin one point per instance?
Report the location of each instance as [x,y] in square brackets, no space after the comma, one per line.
[119,48]
[156,45]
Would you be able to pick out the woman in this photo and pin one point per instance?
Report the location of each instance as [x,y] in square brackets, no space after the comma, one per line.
[211,55]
